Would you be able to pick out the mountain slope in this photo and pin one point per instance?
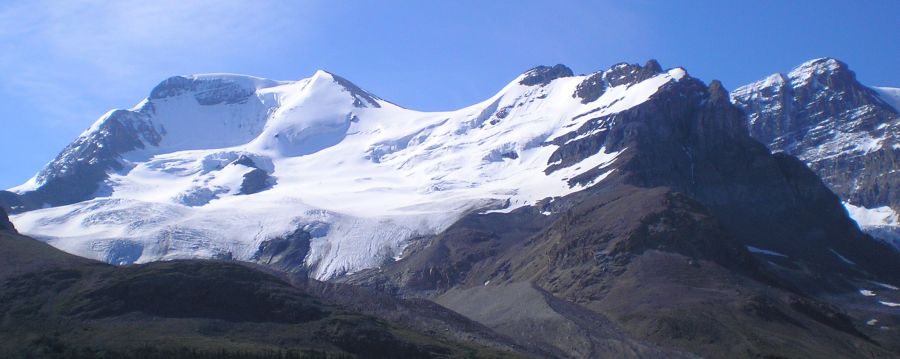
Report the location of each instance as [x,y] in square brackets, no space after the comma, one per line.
[346,177]
[58,305]
[5,224]
[848,133]
[624,213]
[700,241]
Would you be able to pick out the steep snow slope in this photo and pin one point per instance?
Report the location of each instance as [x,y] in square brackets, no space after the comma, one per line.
[890,95]
[225,166]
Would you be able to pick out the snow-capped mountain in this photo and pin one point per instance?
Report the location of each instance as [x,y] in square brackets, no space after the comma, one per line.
[318,174]
[575,206]
[848,133]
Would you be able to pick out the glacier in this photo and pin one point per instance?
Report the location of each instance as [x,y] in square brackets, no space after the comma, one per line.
[361,175]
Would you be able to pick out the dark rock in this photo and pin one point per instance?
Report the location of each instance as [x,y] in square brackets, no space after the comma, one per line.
[287,253]
[245,161]
[256,181]
[591,88]
[542,75]
[717,92]
[627,74]
[511,155]
[5,224]
[206,91]
[80,169]
[360,96]
[14,203]
[825,313]
[595,85]
[652,67]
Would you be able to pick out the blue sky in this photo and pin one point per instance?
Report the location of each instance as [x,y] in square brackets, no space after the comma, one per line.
[65,63]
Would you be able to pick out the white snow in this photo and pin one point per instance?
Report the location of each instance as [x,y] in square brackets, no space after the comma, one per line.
[890,95]
[363,180]
[803,73]
[880,222]
[767,252]
[884,285]
[889,304]
[842,258]
[866,217]
[867,293]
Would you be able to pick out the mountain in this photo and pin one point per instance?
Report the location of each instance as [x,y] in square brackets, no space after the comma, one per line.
[623,213]
[699,241]
[848,133]
[319,168]
[56,305]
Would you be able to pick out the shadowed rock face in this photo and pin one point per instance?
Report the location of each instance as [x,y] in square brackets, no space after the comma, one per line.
[206,91]
[80,169]
[691,139]
[255,181]
[12,202]
[842,129]
[360,96]
[5,224]
[286,253]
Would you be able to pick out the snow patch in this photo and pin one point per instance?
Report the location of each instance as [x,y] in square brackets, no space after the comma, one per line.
[890,95]
[884,285]
[767,252]
[842,258]
[880,216]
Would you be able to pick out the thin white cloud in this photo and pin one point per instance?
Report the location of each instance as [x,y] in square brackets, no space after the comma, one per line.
[79,53]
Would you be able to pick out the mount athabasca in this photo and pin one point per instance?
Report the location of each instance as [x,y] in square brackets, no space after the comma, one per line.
[354,175]
[634,212]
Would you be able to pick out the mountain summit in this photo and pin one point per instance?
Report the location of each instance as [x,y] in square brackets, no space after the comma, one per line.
[848,133]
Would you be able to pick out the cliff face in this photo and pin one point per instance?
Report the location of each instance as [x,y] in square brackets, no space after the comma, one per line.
[5,224]
[848,133]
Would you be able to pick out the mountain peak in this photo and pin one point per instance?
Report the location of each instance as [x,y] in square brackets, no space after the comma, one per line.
[652,66]
[542,75]
[323,75]
[824,67]
[717,91]
[622,73]
[361,98]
